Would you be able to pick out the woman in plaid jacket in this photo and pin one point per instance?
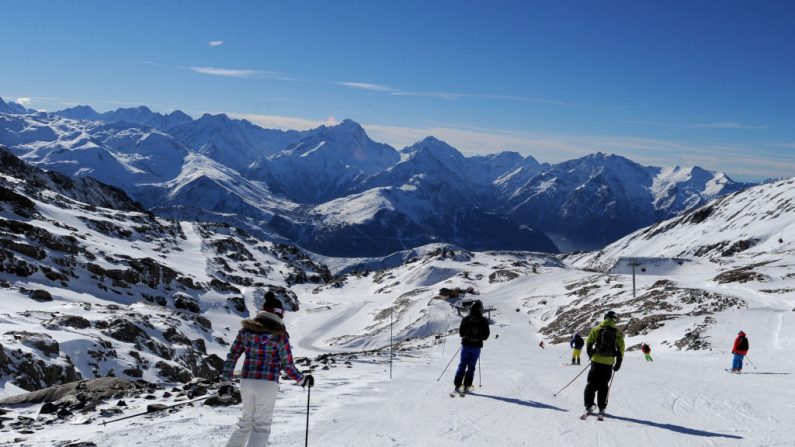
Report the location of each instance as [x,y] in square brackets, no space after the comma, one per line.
[267,346]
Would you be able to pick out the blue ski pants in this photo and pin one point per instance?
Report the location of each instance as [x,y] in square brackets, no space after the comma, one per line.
[466,367]
[737,362]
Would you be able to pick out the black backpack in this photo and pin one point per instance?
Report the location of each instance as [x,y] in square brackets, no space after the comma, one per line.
[606,342]
[472,330]
[743,346]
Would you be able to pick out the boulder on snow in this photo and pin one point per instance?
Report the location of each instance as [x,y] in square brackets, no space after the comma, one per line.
[41,295]
[96,389]
[151,408]
[74,321]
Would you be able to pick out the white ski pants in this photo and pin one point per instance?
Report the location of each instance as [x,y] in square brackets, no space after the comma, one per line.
[254,427]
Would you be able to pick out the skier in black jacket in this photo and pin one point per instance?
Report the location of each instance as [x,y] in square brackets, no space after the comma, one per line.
[473,330]
[576,344]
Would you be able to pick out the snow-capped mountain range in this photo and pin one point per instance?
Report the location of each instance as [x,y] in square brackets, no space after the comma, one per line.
[335,191]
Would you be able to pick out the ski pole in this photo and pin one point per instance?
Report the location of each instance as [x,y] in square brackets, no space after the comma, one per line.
[749,361]
[610,385]
[448,364]
[308,395]
[480,375]
[155,411]
[572,380]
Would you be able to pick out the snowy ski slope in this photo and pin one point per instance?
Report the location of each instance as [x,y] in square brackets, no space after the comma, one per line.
[683,398]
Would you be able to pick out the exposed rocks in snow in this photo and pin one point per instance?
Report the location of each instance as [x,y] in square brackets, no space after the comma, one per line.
[42,342]
[661,302]
[503,276]
[238,304]
[726,248]
[742,275]
[20,204]
[695,338]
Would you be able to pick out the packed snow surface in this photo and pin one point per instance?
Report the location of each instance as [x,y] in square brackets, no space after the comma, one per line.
[683,398]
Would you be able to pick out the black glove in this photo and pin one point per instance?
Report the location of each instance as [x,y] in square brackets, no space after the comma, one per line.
[617,366]
[308,381]
[589,351]
[226,389]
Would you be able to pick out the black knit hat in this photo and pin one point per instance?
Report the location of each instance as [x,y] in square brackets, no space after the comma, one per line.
[271,302]
[477,307]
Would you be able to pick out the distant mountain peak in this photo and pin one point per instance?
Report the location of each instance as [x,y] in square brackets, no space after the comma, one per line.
[218,117]
[347,122]
[345,127]
[433,145]
[12,107]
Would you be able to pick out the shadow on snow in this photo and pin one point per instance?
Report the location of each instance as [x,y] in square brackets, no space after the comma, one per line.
[524,403]
[767,373]
[675,428]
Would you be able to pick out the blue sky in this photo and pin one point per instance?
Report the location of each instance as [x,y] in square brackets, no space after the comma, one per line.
[677,82]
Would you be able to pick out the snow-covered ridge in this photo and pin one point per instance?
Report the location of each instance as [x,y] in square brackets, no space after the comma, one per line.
[757,220]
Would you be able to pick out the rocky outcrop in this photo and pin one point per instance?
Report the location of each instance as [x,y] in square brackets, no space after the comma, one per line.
[38,369]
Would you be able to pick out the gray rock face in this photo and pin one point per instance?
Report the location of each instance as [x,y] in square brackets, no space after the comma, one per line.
[42,342]
[100,388]
[42,368]
[73,321]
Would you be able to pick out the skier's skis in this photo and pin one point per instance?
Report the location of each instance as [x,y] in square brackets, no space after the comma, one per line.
[599,416]
[457,393]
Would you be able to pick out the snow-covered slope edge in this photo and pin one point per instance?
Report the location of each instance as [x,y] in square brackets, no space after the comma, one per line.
[759,220]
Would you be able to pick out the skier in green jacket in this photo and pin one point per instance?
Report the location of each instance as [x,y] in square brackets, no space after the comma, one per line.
[605,347]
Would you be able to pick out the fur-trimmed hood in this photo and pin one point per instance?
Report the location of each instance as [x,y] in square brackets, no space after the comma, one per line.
[265,322]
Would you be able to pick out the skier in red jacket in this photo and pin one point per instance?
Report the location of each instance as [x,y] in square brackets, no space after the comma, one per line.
[740,349]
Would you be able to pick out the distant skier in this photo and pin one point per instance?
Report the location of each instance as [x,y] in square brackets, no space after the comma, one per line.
[646,350]
[267,346]
[740,349]
[605,347]
[576,344]
[541,345]
[474,330]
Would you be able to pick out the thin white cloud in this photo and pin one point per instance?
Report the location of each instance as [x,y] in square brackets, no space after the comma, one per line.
[724,125]
[225,72]
[452,96]
[449,96]
[367,86]
[239,73]
[215,43]
[149,62]
[700,125]
[24,101]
